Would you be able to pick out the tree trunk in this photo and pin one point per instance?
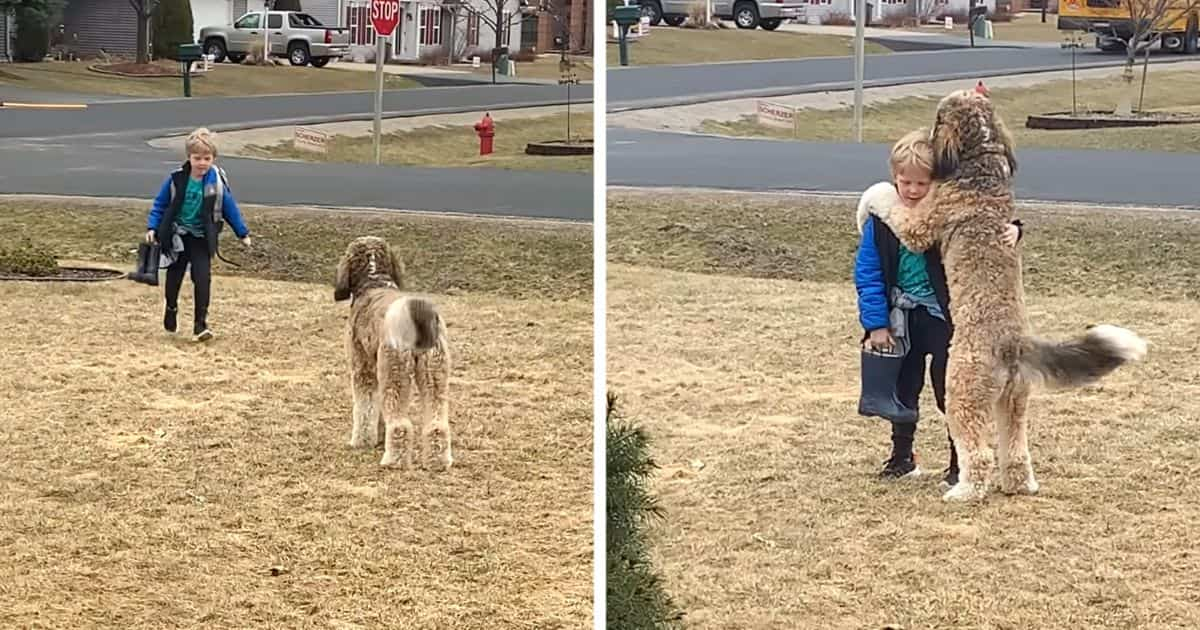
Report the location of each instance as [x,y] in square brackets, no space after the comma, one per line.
[143,38]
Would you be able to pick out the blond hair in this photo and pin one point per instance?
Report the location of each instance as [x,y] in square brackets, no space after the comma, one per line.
[201,141]
[913,149]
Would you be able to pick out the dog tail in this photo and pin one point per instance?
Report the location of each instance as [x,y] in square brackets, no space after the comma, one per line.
[425,319]
[412,324]
[1082,360]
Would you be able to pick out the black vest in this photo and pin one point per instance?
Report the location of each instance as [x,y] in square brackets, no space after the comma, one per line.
[179,180]
[888,246]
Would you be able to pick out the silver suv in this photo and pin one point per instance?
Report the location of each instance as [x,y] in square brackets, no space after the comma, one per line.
[745,13]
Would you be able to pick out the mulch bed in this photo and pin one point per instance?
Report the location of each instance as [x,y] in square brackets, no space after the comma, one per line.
[140,71]
[69,274]
[1096,120]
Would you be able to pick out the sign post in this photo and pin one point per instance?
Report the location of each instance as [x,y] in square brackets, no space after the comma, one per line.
[385,15]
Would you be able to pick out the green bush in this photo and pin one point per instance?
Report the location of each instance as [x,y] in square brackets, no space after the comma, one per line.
[24,259]
[636,597]
[33,30]
[171,26]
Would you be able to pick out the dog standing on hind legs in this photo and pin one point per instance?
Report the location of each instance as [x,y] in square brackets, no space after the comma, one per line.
[397,347]
[994,360]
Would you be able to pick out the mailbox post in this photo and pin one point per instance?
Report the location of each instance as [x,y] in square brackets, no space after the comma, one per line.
[975,18]
[187,54]
[625,18]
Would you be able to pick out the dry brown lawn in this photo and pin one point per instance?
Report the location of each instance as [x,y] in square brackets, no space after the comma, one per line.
[1166,91]
[670,45]
[454,145]
[223,79]
[746,375]
[151,482]
[1024,27]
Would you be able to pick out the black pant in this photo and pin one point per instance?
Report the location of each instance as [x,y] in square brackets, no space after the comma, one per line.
[195,252]
[929,336]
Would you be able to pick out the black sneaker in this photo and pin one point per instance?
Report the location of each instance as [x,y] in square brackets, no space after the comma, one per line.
[949,478]
[204,335]
[900,469]
[169,322]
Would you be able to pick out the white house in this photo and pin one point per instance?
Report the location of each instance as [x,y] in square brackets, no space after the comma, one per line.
[425,28]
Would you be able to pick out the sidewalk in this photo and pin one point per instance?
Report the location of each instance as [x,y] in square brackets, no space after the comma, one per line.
[929,35]
[459,72]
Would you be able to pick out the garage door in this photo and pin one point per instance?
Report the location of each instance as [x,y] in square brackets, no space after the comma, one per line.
[210,13]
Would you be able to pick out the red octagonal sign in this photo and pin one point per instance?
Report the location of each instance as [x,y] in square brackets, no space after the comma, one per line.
[385,15]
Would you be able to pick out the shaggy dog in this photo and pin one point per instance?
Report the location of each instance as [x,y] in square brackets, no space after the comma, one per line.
[394,341]
[994,361]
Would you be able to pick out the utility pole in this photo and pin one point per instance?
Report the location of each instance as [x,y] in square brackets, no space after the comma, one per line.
[860,18]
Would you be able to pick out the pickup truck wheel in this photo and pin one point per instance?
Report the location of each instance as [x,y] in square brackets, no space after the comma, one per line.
[675,20]
[298,54]
[235,58]
[320,62]
[653,10]
[216,48]
[745,15]
[770,25]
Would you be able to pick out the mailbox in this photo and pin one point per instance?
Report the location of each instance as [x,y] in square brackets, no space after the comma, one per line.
[190,52]
[627,16]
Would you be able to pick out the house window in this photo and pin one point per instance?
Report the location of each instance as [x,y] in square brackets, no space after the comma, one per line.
[472,27]
[431,26]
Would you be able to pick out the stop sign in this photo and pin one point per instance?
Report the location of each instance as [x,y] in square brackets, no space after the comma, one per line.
[385,15]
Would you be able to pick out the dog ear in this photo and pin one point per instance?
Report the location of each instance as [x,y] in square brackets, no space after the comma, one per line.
[1006,140]
[396,269]
[946,146]
[341,282]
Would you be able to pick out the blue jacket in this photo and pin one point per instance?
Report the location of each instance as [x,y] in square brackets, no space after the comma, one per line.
[869,282]
[876,267]
[229,207]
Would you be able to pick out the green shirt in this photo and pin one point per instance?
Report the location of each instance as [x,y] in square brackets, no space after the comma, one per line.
[190,217]
[913,276]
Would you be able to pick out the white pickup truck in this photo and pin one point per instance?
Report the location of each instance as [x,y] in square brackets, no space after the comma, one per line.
[298,36]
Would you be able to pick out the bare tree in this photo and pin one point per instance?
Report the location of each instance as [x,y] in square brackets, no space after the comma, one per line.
[499,16]
[560,14]
[145,10]
[1148,19]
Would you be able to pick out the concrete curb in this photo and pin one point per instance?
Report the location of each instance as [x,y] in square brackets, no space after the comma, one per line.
[62,106]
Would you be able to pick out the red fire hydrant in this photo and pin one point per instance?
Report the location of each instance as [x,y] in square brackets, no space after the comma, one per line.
[486,130]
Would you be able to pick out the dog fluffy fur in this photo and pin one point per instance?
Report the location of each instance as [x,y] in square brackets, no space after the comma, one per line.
[994,361]
[395,343]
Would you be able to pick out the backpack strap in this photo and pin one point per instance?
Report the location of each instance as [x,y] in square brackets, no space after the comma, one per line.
[222,184]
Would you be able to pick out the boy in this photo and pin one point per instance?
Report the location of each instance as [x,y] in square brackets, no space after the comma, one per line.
[887,274]
[184,222]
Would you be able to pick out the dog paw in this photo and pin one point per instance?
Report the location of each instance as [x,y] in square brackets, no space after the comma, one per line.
[964,492]
[447,461]
[389,460]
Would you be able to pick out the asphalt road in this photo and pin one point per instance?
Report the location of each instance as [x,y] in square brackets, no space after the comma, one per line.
[179,115]
[659,86]
[659,159]
[103,151]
